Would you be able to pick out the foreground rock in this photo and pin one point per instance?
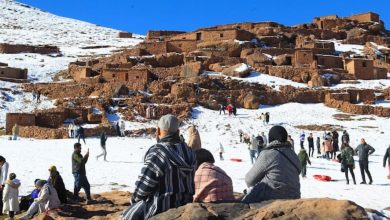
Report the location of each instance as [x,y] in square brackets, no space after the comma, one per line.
[109,206]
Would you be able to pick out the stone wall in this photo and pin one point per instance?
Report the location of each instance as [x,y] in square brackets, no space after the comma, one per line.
[22,119]
[20,48]
[13,73]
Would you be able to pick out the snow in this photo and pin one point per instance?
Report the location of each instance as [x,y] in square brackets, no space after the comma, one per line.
[242,68]
[125,154]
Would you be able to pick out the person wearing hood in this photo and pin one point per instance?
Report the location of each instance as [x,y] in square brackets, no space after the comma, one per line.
[10,196]
[275,174]
[212,184]
[47,200]
[194,141]
[167,177]
[56,181]
[386,158]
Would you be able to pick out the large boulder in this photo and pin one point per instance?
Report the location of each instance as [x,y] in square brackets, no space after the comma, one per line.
[216,67]
[251,102]
[170,59]
[240,70]
[258,59]
[316,81]
[191,69]
[283,59]
[278,209]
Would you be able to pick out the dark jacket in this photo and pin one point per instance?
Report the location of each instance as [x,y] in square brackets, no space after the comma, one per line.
[275,174]
[318,143]
[57,182]
[103,139]
[78,163]
[166,180]
[387,157]
[303,157]
[363,150]
[345,138]
[347,156]
[311,141]
[80,132]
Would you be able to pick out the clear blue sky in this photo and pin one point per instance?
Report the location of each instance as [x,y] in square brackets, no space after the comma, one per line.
[139,16]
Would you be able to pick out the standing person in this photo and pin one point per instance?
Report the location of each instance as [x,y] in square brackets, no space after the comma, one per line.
[103,140]
[234,110]
[241,133]
[167,177]
[221,151]
[263,116]
[267,117]
[70,130]
[222,108]
[302,139]
[229,109]
[291,141]
[364,150]
[328,147]
[123,128]
[275,175]
[265,139]
[34,94]
[118,129]
[318,142]
[10,196]
[194,141]
[260,144]
[56,181]
[79,172]
[39,96]
[148,112]
[348,162]
[310,140]
[304,159]
[335,141]
[81,134]
[15,132]
[253,149]
[387,158]
[4,166]
[345,137]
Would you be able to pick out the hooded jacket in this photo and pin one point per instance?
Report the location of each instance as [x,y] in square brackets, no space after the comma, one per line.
[10,196]
[48,198]
[194,138]
[275,174]
[167,178]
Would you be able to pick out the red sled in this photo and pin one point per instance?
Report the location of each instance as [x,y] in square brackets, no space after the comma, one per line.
[236,160]
[322,178]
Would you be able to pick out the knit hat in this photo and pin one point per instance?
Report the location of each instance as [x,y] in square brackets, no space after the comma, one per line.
[52,168]
[278,133]
[169,123]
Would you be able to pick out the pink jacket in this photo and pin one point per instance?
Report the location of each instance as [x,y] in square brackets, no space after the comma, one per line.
[328,146]
[212,184]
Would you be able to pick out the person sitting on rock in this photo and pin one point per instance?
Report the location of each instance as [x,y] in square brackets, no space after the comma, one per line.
[211,182]
[167,177]
[56,181]
[275,174]
[27,201]
[47,200]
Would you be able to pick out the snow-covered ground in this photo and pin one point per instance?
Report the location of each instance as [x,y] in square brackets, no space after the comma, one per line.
[30,159]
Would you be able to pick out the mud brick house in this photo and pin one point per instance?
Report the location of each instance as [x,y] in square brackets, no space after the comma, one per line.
[365,17]
[178,46]
[304,58]
[329,61]
[21,48]
[136,79]
[320,47]
[215,35]
[13,73]
[364,69]
[161,35]
[22,119]
[80,72]
[125,35]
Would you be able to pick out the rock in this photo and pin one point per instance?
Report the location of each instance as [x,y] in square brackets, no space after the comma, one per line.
[251,102]
[216,67]
[240,70]
[284,59]
[316,81]
[170,59]
[258,58]
[192,69]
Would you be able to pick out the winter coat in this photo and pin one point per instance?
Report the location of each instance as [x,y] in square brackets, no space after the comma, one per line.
[345,138]
[15,130]
[4,173]
[275,174]
[103,139]
[254,144]
[347,156]
[303,157]
[328,145]
[78,163]
[364,150]
[194,138]
[10,196]
[80,132]
[318,143]
[387,157]
[267,117]
[48,198]
[302,137]
[212,184]
[166,180]
[57,182]
[311,141]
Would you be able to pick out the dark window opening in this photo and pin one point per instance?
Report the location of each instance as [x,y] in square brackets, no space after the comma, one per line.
[198,36]
[364,64]
[220,35]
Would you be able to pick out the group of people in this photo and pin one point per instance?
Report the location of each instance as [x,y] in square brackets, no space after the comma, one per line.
[47,195]
[230,108]
[36,95]
[76,131]
[255,143]
[264,117]
[175,174]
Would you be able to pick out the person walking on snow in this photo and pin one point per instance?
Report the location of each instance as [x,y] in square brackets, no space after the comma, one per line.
[123,128]
[318,142]
[80,134]
[302,139]
[364,150]
[304,159]
[253,149]
[38,96]
[310,140]
[222,108]
[221,151]
[348,162]
[267,117]
[387,158]
[103,140]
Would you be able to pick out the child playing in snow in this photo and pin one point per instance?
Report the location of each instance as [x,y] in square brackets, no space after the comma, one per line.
[10,196]
[304,158]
